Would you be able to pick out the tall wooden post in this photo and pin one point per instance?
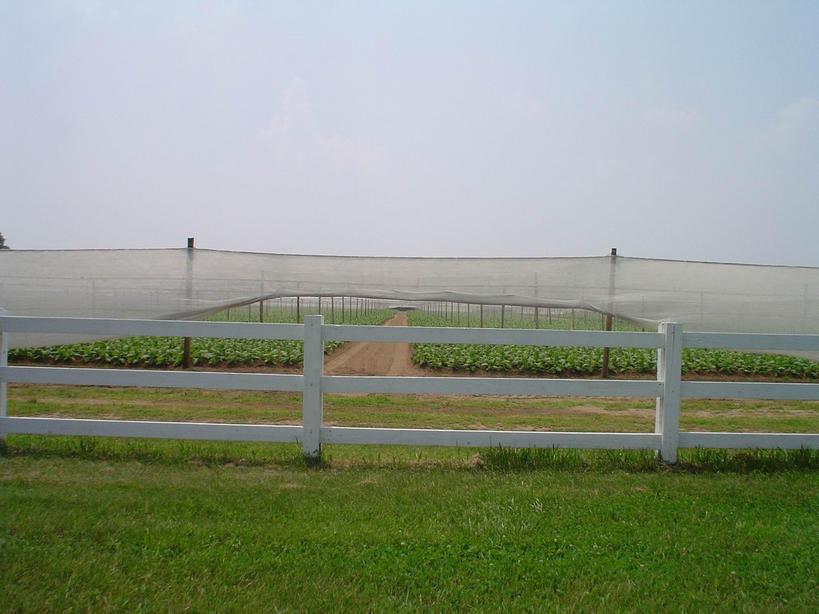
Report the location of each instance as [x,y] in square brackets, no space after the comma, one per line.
[298,309]
[481,316]
[503,315]
[186,342]
[607,324]
[261,294]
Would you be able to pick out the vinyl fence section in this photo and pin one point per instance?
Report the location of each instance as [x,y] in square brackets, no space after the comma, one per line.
[667,388]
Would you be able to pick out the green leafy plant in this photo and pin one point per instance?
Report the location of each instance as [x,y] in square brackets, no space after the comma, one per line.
[559,360]
[163,352]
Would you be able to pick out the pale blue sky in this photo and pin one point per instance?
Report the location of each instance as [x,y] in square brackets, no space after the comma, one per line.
[667,129]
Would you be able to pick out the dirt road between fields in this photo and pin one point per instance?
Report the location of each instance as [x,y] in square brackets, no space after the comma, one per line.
[372,358]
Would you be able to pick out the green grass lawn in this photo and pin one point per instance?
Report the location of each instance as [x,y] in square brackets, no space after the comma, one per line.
[410,411]
[89,534]
[138,525]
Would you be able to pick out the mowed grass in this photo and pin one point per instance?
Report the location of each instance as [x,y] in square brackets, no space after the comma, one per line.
[409,411]
[87,534]
[139,525]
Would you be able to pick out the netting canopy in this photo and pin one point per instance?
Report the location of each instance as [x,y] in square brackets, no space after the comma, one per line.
[188,283]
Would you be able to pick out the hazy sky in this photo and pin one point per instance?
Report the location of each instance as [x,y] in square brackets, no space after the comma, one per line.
[668,129]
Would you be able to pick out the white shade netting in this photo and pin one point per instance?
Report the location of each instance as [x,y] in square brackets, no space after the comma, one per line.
[189,283]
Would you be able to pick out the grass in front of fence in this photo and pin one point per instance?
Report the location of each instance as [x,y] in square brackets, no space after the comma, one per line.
[409,411]
[253,454]
[102,525]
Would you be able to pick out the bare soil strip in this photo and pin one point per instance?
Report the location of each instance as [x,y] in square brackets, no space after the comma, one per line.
[373,358]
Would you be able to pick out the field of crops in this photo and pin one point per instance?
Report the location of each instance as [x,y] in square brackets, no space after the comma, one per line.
[585,361]
[163,352]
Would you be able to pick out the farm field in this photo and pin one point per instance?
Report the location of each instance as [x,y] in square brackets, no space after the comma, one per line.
[588,361]
[102,525]
[166,352]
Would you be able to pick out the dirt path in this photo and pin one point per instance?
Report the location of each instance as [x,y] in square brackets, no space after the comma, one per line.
[371,358]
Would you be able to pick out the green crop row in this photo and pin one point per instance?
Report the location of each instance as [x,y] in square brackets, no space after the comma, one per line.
[550,360]
[160,352]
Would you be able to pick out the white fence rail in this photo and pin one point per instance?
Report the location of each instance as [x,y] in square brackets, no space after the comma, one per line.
[667,389]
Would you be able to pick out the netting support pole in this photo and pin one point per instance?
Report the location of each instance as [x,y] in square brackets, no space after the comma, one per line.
[312,398]
[261,293]
[605,371]
[186,342]
[503,315]
[607,323]
[481,316]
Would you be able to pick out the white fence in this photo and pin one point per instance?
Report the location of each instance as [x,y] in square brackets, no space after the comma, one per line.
[667,389]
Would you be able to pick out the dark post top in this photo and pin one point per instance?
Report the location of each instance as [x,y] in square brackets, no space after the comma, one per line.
[190,242]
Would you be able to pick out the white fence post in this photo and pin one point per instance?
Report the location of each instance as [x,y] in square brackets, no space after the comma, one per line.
[313,401]
[669,372]
[4,362]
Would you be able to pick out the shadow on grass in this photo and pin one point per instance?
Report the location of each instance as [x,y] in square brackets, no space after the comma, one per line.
[232,454]
[155,451]
[698,460]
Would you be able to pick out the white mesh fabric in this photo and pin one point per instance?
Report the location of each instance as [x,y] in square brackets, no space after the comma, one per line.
[183,283]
